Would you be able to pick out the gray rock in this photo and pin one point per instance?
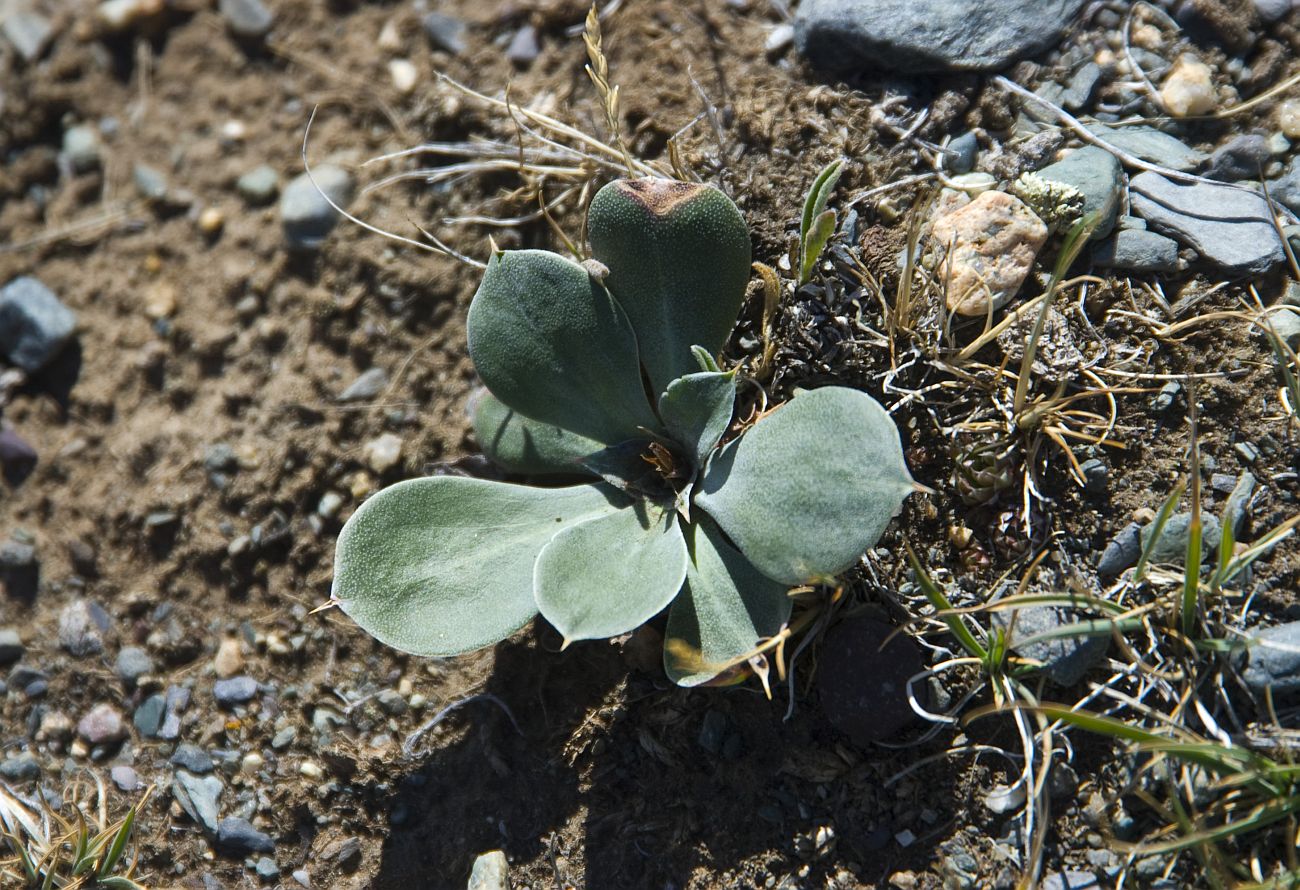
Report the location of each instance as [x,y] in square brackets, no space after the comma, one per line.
[102,725]
[11,645]
[1239,500]
[34,325]
[305,210]
[1070,880]
[962,153]
[369,384]
[177,700]
[82,626]
[917,36]
[29,32]
[17,457]
[239,838]
[1171,549]
[126,778]
[1285,323]
[259,186]
[1065,660]
[81,148]
[249,19]
[1273,10]
[150,182]
[1137,250]
[1095,474]
[1078,92]
[199,797]
[220,458]
[490,872]
[524,47]
[1131,222]
[445,33]
[1273,659]
[234,691]
[391,702]
[1095,173]
[28,680]
[193,759]
[1244,157]
[266,869]
[22,768]
[132,664]
[148,716]
[1228,226]
[1286,188]
[1150,144]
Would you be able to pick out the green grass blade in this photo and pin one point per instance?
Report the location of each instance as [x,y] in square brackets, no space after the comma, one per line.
[118,847]
[945,609]
[817,223]
[1157,529]
[1192,576]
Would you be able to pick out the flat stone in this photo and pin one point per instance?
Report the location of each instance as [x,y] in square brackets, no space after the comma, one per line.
[490,872]
[238,837]
[306,214]
[994,240]
[1078,92]
[34,325]
[1150,144]
[11,645]
[148,716]
[29,32]
[199,797]
[1273,659]
[234,691]
[1227,225]
[1286,188]
[445,32]
[1070,880]
[1137,250]
[266,868]
[1171,548]
[102,725]
[1065,660]
[1098,176]
[193,759]
[22,768]
[1122,551]
[369,384]
[1244,157]
[918,36]
[249,19]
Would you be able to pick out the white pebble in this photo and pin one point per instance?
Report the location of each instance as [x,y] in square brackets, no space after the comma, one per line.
[383,453]
[1189,88]
[404,75]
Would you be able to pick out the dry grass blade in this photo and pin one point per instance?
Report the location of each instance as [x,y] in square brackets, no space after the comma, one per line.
[598,71]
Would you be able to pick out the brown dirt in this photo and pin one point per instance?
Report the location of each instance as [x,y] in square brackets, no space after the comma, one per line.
[605,783]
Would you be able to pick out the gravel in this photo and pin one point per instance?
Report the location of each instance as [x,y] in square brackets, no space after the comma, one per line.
[132,664]
[234,691]
[306,214]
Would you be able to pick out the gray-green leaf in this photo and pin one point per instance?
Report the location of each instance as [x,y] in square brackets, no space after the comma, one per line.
[520,444]
[725,609]
[444,565]
[550,342]
[678,255]
[697,410]
[806,491]
[610,575]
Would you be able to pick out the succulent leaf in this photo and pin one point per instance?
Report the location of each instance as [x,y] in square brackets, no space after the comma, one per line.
[608,576]
[520,444]
[444,565]
[697,410]
[678,255]
[811,486]
[725,609]
[550,342]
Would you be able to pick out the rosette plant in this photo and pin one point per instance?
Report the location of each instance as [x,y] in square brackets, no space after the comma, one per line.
[606,370]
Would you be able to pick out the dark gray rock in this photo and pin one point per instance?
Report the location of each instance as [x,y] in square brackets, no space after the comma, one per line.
[391,702]
[29,32]
[306,213]
[177,700]
[199,797]
[1077,94]
[132,664]
[239,838]
[259,186]
[369,384]
[1286,188]
[868,712]
[22,768]
[917,36]
[11,645]
[1137,250]
[1122,551]
[445,33]
[1239,500]
[148,716]
[34,325]
[1095,474]
[249,19]
[1227,225]
[1065,659]
[1171,548]
[1244,157]
[17,458]
[193,759]
[1273,659]
[234,691]
[524,47]
[1150,144]
[1095,173]
[962,153]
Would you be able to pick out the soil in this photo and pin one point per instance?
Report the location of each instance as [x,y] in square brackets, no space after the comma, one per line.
[586,768]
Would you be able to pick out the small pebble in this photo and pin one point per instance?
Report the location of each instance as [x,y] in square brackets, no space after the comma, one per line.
[28,31]
[306,212]
[366,386]
[211,220]
[445,33]
[132,664]
[383,452]
[229,659]
[1188,90]
[238,837]
[249,19]
[259,186]
[1288,118]
[34,325]
[22,768]
[311,769]
[404,74]
[234,691]
[192,758]
[524,47]
[102,725]
[150,182]
[266,869]
[81,148]
[11,645]
[490,872]
[82,625]
[126,778]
